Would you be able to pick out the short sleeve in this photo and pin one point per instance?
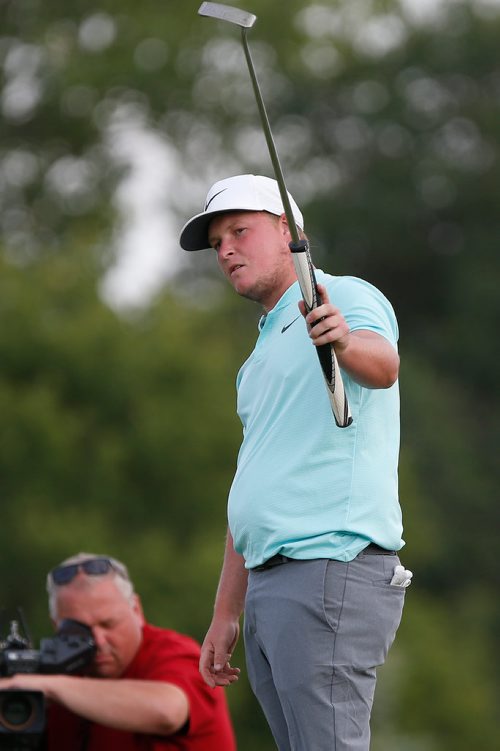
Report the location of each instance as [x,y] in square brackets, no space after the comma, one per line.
[364,306]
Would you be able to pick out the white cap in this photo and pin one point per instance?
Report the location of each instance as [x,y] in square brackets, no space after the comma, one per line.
[240,193]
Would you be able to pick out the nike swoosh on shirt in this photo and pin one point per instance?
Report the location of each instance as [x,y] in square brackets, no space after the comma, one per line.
[290,324]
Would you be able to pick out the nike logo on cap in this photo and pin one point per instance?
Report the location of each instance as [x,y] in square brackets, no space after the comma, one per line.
[290,324]
[215,196]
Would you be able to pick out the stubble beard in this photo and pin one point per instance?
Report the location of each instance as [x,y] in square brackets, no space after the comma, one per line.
[268,288]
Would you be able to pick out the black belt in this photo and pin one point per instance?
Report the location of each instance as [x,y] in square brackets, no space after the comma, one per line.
[278,559]
[374,549]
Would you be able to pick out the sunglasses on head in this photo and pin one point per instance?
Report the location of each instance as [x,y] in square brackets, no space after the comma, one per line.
[92,567]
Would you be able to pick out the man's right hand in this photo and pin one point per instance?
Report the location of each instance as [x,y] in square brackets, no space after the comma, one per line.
[216,652]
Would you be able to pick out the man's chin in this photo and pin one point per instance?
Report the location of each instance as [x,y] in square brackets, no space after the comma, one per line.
[248,292]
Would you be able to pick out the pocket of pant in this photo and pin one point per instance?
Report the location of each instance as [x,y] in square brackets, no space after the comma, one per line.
[364,609]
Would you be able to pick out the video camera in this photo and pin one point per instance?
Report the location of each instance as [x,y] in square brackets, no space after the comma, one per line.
[22,713]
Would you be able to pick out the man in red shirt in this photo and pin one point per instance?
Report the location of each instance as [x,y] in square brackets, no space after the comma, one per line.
[152,697]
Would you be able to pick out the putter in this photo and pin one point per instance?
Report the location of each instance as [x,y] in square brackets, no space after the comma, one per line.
[299,247]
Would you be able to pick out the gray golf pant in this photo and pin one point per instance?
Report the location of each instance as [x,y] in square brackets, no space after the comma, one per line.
[314,633]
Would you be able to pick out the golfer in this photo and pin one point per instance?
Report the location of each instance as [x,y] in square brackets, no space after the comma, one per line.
[314,516]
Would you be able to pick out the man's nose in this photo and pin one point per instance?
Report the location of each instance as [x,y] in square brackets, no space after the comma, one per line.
[99,637]
[225,249]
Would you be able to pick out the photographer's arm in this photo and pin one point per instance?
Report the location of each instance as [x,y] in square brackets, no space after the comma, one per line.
[150,707]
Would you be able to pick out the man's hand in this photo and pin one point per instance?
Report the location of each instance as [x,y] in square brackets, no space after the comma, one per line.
[326,324]
[216,652]
[369,358]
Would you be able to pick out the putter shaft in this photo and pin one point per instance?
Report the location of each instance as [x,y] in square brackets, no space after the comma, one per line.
[299,247]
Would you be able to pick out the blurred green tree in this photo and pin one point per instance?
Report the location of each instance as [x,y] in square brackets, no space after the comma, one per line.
[118,430]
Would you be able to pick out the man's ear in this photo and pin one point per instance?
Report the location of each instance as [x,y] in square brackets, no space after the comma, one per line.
[283,224]
[137,607]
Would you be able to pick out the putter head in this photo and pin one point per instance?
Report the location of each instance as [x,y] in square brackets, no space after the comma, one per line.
[228,13]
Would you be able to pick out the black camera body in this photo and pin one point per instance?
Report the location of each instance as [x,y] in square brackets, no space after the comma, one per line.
[22,713]
[69,651]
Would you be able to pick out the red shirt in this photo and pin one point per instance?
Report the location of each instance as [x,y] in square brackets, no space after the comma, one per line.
[163,656]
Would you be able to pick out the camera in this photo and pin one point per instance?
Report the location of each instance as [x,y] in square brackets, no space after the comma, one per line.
[22,713]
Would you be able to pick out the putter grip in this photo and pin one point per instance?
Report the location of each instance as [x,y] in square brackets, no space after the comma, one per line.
[326,352]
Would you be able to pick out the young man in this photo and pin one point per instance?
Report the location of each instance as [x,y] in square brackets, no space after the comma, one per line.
[314,516]
[144,691]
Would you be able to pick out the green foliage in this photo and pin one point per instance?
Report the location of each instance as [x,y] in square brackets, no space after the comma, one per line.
[118,432]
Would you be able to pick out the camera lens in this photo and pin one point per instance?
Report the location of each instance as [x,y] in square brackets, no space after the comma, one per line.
[16,712]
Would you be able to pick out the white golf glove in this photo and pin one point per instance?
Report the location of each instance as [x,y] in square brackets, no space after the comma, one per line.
[402,577]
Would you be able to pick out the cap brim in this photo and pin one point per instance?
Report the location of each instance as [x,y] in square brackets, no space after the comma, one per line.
[194,234]
[239,193]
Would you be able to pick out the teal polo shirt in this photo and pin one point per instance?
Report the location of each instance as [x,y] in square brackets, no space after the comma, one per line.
[304,487]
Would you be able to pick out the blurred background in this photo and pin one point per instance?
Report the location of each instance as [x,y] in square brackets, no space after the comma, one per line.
[119,352]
